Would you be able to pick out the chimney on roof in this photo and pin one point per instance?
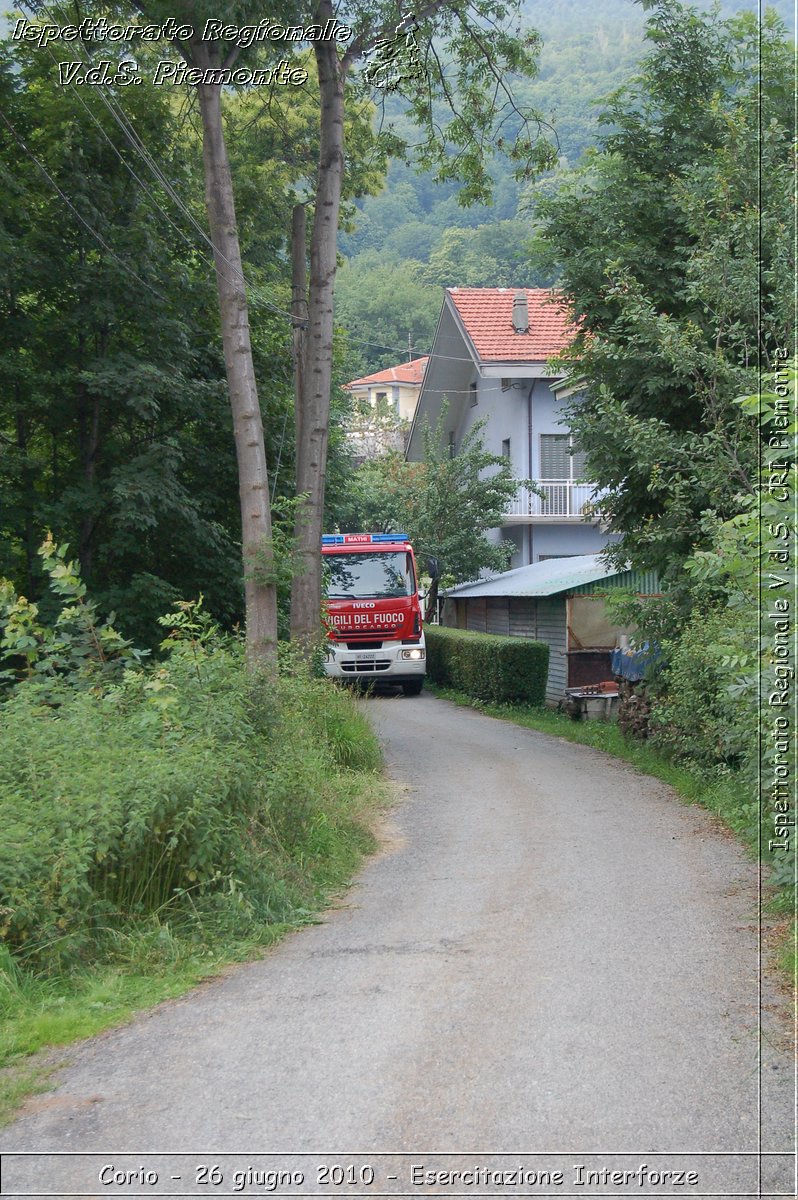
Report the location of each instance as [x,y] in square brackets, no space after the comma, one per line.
[520,313]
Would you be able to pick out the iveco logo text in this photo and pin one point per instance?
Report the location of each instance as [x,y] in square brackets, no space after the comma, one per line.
[364,604]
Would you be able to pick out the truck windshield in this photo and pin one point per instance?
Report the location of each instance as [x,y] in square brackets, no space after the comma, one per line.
[373,575]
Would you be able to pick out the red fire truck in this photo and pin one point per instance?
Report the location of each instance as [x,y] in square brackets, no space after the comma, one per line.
[373,609]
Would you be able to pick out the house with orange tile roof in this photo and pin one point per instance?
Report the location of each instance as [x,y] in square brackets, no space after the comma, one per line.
[386,406]
[399,386]
[490,361]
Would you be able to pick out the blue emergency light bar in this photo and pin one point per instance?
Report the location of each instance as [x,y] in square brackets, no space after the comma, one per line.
[361,539]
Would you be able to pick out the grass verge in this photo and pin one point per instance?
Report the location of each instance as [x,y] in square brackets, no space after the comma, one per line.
[155,963]
[285,787]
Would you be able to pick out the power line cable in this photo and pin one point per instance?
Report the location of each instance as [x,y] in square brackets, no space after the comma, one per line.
[72,207]
[147,191]
[137,143]
[134,139]
[127,164]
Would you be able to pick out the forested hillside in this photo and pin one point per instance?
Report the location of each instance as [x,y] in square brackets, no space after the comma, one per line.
[414,238]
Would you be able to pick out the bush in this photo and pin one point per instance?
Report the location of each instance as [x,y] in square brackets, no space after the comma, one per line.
[179,790]
[695,715]
[77,646]
[488,667]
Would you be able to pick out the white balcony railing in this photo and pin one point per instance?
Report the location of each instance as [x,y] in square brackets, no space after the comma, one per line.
[561,499]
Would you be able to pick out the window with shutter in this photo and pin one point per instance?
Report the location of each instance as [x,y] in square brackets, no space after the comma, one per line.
[557,460]
[555,457]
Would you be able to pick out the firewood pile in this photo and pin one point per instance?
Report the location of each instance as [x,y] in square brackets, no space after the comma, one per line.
[634,709]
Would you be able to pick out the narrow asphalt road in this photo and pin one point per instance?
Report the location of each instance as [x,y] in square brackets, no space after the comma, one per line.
[552,965]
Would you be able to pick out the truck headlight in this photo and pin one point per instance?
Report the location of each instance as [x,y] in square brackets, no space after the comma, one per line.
[415,654]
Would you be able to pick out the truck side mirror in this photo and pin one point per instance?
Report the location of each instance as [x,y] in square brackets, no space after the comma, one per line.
[433,570]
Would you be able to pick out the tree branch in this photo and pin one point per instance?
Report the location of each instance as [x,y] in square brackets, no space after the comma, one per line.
[366,42]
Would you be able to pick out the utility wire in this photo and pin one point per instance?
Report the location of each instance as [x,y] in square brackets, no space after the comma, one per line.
[71,206]
[106,247]
[127,164]
[130,271]
[161,178]
[135,141]
[132,137]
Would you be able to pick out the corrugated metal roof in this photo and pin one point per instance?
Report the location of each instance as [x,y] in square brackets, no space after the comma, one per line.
[645,583]
[540,578]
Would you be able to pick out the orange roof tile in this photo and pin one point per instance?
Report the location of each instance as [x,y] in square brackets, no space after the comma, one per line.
[409,372]
[487,314]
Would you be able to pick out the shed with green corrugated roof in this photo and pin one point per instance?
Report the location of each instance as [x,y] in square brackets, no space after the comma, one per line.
[559,601]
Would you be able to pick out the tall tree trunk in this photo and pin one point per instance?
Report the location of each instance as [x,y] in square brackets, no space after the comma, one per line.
[90,445]
[28,485]
[314,409]
[299,307]
[253,484]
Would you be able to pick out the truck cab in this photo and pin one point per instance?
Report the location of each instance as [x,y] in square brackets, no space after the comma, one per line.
[372,611]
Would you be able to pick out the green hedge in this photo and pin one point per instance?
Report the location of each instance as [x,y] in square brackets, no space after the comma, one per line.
[487,667]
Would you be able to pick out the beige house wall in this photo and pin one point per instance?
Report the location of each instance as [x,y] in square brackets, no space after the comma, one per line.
[406,394]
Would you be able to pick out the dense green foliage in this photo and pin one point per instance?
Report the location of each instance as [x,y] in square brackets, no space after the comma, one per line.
[418,232]
[724,700]
[78,646]
[419,228]
[181,790]
[390,294]
[176,790]
[487,667]
[115,426]
[383,306]
[159,831]
[662,249]
[106,406]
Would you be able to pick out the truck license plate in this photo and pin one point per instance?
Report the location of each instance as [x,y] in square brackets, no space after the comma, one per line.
[365,657]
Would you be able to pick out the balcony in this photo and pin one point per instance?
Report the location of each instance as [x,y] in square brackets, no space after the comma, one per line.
[562,500]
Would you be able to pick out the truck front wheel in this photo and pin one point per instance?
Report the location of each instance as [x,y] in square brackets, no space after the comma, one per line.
[413,687]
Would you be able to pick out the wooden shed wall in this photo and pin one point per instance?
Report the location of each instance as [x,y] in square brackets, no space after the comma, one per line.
[543,619]
[551,629]
[497,618]
[475,614]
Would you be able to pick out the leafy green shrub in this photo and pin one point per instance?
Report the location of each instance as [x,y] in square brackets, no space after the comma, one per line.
[175,789]
[727,650]
[695,715]
[191,787]
[78,646]
[487,667]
